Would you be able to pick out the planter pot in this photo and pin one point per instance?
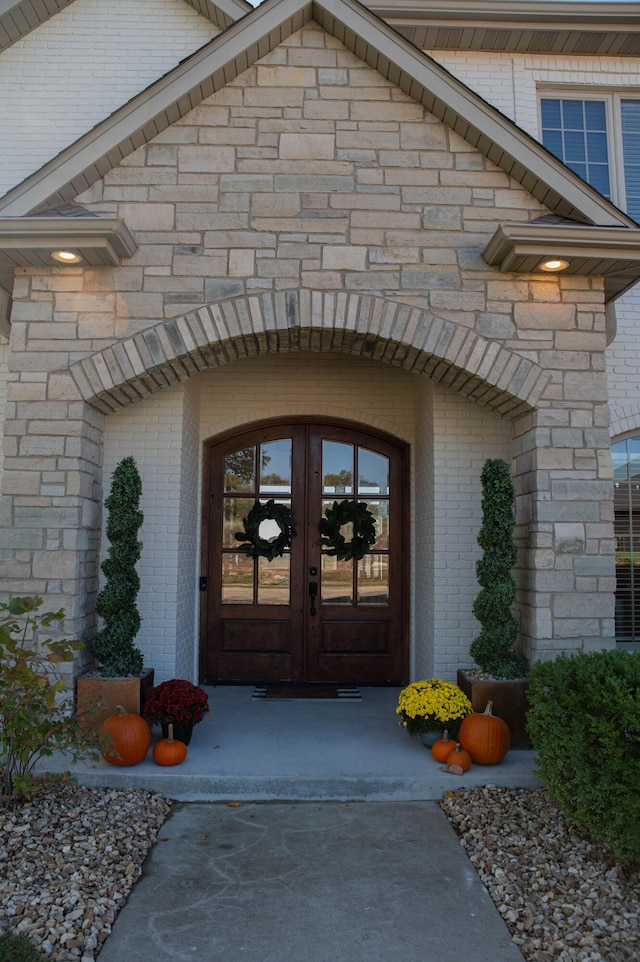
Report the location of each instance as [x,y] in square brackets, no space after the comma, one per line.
[92,689]
[182,731]
[510,701]
[429,739]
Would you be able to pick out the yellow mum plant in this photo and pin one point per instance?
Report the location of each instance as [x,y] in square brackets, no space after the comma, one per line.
[431,705]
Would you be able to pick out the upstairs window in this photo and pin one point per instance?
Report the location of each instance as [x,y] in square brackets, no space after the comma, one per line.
[626,501]
[598,138]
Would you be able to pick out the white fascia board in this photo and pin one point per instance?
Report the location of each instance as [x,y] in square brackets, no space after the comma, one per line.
[376,43]
[510,14]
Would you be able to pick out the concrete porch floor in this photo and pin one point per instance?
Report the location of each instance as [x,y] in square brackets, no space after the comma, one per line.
[248,749]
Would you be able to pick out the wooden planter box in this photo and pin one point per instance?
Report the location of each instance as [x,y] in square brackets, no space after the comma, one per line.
[131,693]
[510,701]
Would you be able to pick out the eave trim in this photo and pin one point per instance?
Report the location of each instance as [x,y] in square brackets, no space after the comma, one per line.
[227,55]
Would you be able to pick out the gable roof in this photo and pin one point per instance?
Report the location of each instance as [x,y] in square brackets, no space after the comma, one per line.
[377,44]
[509,26]
[373,41]
[19,17]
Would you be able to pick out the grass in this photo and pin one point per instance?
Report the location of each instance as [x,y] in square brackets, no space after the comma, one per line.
[15,948]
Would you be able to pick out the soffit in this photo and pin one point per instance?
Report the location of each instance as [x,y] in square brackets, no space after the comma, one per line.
[226,56]
[28,241]
[597,29]
[612,253]
[17,19]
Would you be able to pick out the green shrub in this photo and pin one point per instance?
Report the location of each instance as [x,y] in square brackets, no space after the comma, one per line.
[116,604]
[585,726]
[493,649]
[34,718]
[15,948]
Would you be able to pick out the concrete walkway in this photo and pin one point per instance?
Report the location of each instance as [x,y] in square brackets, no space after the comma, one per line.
[313,882]
[334,849]
[252,750]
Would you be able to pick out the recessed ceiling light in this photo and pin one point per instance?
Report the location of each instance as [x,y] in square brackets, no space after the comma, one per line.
[554,264]
[66,257]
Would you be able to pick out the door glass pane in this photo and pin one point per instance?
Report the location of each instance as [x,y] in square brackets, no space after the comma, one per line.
[373,472]
[274,581]
[380,511]
[275,467]
[239,470]
[336,584]
[237,579]
[373,579]
[235,509]
[337,469]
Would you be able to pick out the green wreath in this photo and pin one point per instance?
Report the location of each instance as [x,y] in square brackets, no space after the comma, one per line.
[364,530]
[256,547]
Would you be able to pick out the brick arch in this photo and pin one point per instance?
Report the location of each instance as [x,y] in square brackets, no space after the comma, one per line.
[625,421]
[365,325]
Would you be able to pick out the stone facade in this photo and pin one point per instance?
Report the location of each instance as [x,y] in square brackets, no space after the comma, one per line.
[309,243]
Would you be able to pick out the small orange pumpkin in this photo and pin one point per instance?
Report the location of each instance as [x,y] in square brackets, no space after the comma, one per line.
[130,738]
[169,751]
[443,747]
[485,736]
[459,757]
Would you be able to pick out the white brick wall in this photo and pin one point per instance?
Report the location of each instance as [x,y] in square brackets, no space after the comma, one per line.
[80,66]
[152,431]
[463,436]
[510,81]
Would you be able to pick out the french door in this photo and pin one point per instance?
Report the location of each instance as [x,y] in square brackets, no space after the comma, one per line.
[304,616]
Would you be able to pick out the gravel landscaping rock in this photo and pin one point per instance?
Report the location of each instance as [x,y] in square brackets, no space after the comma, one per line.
[564,898]
[68,861]
[70,857]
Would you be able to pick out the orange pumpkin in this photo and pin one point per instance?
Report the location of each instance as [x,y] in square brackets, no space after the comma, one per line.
[459,757]
[443,747]
[169,751]
[485,736]
[130,738]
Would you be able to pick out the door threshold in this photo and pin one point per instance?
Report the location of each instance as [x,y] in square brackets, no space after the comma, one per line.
[294,692]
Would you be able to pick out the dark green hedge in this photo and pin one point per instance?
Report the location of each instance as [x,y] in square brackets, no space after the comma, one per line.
[584,724]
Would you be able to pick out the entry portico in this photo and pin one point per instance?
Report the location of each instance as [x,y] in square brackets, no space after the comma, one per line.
[322,235]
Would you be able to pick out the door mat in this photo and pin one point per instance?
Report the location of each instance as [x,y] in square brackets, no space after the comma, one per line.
[304,692]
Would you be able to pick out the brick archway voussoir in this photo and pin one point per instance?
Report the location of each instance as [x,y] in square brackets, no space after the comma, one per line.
[365,325]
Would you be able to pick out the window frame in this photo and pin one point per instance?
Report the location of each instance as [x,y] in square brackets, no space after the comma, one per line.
[612,100]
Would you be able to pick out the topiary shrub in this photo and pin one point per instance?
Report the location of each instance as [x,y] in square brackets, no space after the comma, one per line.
[493,649]
[116,604]
[584,724]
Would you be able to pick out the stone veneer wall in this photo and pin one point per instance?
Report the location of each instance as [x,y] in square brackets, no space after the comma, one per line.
[512,82]
[311,205]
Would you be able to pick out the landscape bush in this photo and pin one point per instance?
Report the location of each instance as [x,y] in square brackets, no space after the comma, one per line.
[584,724]
[35,718]
[16,948]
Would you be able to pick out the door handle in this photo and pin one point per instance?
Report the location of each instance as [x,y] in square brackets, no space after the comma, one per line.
[313,591]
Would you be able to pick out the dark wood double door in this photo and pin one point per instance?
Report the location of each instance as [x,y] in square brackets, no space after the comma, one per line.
[304,616]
